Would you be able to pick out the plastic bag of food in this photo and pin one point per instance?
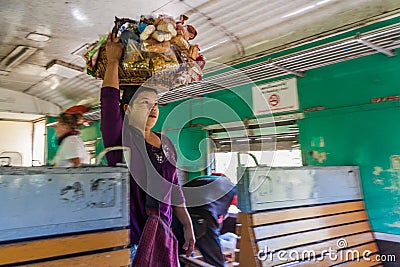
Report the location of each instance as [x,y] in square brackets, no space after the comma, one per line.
[164,61]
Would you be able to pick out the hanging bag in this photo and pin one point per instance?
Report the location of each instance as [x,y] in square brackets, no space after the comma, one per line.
[158,246]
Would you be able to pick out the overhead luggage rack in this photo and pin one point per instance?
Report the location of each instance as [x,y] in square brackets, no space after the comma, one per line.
[383,40]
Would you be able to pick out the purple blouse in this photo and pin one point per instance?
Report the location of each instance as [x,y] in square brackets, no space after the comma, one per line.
[111,129]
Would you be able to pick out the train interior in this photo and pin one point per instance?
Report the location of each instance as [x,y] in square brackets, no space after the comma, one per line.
[298,106]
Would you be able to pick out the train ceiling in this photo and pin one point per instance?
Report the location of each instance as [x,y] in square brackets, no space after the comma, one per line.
[35,34]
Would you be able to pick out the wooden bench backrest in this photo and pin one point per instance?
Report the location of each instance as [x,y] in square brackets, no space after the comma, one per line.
[108,248]
[294,234]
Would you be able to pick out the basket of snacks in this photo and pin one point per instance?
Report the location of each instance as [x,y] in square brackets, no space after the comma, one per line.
[157,52]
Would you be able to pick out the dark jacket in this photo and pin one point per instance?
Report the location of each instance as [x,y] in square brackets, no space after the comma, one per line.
[214,193]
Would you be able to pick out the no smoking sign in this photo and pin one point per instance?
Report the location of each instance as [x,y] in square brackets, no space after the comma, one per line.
[273,100]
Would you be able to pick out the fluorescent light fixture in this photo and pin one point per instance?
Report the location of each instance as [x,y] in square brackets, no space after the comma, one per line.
[263,138]
[225,141]
[16,57]
[64,69]
[38,37]
[299,11]
[214,45]
[242,140]
[285,136]
[323,2]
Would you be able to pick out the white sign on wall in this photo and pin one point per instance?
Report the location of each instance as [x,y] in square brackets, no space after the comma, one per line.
[273,97]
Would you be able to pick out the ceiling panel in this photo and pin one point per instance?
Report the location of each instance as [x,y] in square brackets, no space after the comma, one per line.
[228,31]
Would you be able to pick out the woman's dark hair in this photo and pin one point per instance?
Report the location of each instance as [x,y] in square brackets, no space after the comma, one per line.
[130,92]
[72,120]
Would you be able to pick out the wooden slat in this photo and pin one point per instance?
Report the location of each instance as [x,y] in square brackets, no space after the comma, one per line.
[309,224]
[340,257]
[352,241]
[373,260]
[46,248]
[117,258]
[275,244]
[302,229]
[192,262]
[306,212]
[247,256]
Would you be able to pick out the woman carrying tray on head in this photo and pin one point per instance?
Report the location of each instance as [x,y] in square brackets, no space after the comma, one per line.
[151,154]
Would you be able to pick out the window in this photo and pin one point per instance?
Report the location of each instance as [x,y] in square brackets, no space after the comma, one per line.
[228,162]
[271,141]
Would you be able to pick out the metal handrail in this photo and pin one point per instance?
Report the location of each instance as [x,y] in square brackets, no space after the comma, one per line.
[125,149]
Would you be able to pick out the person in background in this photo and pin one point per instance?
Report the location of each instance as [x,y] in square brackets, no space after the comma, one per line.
[71,151]
[133,119]
[207,219]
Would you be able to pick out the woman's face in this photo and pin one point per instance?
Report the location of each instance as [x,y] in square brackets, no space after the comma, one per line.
[144,110]
[61,128]
[153,116]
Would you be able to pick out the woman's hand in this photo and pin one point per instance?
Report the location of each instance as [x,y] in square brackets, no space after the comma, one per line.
[189,239]
[183,216]
[113,49]
[114,53]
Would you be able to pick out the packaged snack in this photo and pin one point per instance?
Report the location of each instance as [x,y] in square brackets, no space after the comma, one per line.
[93,49]
[141,27]
[118,24]
[133,53]
[159,36]
[147,32]
[164,61]
[167,28]
[200,60]
[94,57]
[183,31]
[192,32]
[194,71]
[152,45]
[180,42]
[164,19]
[127,36]
[147,19]
[193,51]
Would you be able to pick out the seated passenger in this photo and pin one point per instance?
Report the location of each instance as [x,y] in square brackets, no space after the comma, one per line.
[218,193]
[71,151]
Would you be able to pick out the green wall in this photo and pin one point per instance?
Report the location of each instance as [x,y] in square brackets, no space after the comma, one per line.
[354,131]
[366,136]
[351,130]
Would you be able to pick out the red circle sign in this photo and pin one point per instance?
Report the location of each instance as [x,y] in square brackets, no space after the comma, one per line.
[273,100]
